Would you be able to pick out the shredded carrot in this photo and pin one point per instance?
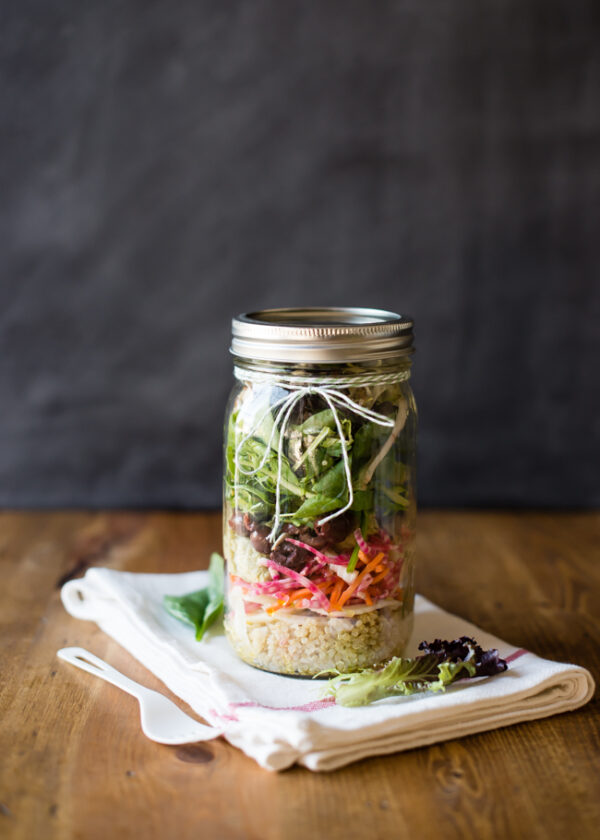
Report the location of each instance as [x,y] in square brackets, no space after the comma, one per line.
[366,560]
[379,577]
[337,591]
[368,598]
[357,581]
[278,606]
[301,593]
[298,595]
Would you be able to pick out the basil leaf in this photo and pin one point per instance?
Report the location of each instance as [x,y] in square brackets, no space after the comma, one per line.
[203,607]
[216,592]
[188,608]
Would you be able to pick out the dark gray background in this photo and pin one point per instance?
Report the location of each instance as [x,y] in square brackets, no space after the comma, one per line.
[165,165]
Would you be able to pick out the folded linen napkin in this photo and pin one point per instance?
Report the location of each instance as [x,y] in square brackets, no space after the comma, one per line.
[282,720]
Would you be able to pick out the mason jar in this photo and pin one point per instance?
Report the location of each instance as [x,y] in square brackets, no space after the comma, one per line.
[319,489]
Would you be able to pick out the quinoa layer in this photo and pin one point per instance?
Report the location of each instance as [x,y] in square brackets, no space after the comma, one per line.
[312,643]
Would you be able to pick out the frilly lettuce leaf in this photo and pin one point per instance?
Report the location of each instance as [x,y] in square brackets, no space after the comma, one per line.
[443,663]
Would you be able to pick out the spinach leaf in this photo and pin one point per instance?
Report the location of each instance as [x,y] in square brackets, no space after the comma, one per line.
[364,441]
[203,607]
[333,483]
[316,445]
[363,500]
[312,508]
[316,422]
[327,494]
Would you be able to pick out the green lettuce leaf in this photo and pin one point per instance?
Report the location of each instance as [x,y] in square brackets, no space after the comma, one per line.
[442,663]
[400,677]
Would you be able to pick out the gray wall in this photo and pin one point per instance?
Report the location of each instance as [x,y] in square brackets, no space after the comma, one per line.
[164,166]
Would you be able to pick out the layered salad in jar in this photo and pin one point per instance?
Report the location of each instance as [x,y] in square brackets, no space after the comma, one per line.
[318,525]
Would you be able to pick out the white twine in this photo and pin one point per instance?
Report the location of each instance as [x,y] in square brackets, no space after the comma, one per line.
[350,381]
[327,389]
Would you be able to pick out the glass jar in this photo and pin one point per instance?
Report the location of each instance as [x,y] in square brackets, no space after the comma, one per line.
[319,490]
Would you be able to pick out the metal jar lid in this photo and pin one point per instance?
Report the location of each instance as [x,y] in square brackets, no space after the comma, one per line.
[321,334]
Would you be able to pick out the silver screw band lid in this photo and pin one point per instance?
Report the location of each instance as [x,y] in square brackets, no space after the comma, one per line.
[321,334]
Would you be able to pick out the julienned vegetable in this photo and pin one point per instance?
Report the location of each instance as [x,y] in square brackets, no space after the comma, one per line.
[203,607]
[442,663]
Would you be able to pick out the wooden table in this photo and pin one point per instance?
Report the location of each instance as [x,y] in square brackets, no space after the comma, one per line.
[75,764]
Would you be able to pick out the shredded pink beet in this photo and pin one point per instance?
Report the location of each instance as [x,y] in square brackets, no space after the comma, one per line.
[269,587]
[322,558]
[306,583]
[363,584]
[335,560]
[362,544]
[339,560]
[380,543]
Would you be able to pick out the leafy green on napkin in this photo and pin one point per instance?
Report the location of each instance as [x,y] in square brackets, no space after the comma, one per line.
[442,663]
[203,607]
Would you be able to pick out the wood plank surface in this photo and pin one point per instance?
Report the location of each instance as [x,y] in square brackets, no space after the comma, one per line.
[74,763]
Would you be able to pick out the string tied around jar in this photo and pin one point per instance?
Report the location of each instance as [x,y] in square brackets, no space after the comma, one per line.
[329,391]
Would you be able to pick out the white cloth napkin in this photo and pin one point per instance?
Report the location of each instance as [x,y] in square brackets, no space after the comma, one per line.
[282,720]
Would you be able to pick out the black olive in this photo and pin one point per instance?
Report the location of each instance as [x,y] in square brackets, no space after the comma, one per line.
[309,537]
[237,524]
[290,529]
[336,530]
[249,522]
[291,556]
[259,540]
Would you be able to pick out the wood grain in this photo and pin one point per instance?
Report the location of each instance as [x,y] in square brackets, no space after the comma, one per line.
[75,764]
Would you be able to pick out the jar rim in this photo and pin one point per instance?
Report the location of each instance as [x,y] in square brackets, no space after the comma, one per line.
[321,334]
